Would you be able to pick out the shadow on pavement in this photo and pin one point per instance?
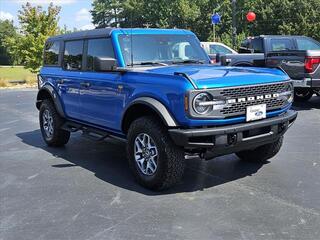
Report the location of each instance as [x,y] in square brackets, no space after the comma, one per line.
[107,160]
[313,103]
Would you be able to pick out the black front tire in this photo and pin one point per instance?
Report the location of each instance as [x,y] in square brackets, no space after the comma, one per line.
[261,154]
[58,137]
[302,94]
[170,160]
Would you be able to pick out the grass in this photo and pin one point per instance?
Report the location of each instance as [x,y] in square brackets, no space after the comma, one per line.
[8,73]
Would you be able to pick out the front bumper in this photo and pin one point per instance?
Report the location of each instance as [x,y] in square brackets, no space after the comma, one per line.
[234,138]
[307,83]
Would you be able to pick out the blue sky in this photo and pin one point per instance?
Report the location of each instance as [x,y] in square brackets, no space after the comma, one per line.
[73,14]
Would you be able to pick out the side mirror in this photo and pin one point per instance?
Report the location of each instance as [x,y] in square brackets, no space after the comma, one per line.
[104,64]
[222,59]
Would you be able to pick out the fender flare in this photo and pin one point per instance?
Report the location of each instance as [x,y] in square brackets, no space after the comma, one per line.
[48,89]
[155,105]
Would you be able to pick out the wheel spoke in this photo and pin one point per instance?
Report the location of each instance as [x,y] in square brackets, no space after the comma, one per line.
[140,141]
[145,140]
[138,147]
[152,165]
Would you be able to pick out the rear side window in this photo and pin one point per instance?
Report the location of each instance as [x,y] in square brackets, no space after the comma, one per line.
[51,54]
[98,48]
[281,44]
[257,45]
[214,49]
[307,44]
[72,57]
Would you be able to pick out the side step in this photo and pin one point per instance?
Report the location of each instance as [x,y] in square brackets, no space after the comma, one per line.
[89,132]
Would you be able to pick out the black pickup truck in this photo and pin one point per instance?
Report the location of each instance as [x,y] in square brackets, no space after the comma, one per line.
[298,56]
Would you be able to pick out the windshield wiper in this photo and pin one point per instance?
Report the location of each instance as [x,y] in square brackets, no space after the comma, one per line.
[148,63]
[188,61]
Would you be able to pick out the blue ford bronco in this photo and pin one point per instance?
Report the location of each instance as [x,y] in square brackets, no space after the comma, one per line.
[157,90]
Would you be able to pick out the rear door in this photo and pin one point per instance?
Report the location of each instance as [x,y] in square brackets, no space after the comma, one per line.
[68,84]
[100,92]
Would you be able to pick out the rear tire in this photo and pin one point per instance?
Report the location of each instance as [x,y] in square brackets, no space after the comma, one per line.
[302,94]
[261,154]
[149,143]
[50,125]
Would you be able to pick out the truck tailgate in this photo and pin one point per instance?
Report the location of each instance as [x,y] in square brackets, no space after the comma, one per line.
[292,62]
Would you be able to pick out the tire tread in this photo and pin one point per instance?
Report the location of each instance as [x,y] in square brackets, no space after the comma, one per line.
[174,162]
[60,136]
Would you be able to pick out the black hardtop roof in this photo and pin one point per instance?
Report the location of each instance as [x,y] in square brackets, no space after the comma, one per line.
[281,36]
[103,32]
[100,32]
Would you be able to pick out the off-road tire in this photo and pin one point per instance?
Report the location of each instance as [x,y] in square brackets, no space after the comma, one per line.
[59,137]
[170,165]
[302,94]
[261,154]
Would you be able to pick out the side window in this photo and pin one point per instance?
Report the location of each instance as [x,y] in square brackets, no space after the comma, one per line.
[218,49]
[98,48]
[51,54]
[72,57]
[257,45]
[281,44]
[307,44]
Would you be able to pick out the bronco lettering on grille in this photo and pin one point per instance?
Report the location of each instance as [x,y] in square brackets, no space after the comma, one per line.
[252,98]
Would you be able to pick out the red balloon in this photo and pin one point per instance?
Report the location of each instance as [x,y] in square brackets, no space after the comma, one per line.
[251,16]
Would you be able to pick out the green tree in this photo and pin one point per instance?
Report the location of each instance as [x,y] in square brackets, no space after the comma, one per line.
[107,12]
[6,30]
[298,17]
[36,26]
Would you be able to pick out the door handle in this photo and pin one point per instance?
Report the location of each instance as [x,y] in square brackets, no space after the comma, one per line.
[85,84]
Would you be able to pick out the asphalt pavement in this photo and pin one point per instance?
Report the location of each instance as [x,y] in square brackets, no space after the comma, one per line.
[86,191]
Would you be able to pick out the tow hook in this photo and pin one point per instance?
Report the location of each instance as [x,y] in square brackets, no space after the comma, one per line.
[232,138]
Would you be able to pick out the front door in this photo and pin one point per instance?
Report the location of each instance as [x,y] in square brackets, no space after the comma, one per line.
[99,91]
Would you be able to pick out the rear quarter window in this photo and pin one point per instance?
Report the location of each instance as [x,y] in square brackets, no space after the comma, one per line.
[281,44]
[307,44]
[51,54]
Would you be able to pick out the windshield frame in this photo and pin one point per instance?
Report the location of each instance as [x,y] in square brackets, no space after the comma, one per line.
[202,56]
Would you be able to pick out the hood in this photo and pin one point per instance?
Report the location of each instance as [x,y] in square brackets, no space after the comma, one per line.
[211,76]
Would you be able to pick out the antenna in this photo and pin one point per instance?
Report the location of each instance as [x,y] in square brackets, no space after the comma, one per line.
[131,40]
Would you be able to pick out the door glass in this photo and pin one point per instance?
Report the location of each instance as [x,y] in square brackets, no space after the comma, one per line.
[214,49]
[72,58]
[281,45]
[257,45]
[306,44]
[98,48]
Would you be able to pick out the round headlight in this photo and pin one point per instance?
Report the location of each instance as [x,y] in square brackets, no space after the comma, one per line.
[199,105]
[290,89]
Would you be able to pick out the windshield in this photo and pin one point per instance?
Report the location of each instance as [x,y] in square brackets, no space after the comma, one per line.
[161,49]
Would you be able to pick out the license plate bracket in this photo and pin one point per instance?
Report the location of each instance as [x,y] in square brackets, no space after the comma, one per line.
[256,112]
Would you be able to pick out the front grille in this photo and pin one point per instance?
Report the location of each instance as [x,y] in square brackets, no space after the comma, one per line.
[246,91]
[239,108]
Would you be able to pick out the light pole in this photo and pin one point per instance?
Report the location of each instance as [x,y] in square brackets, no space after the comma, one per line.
[234,22]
